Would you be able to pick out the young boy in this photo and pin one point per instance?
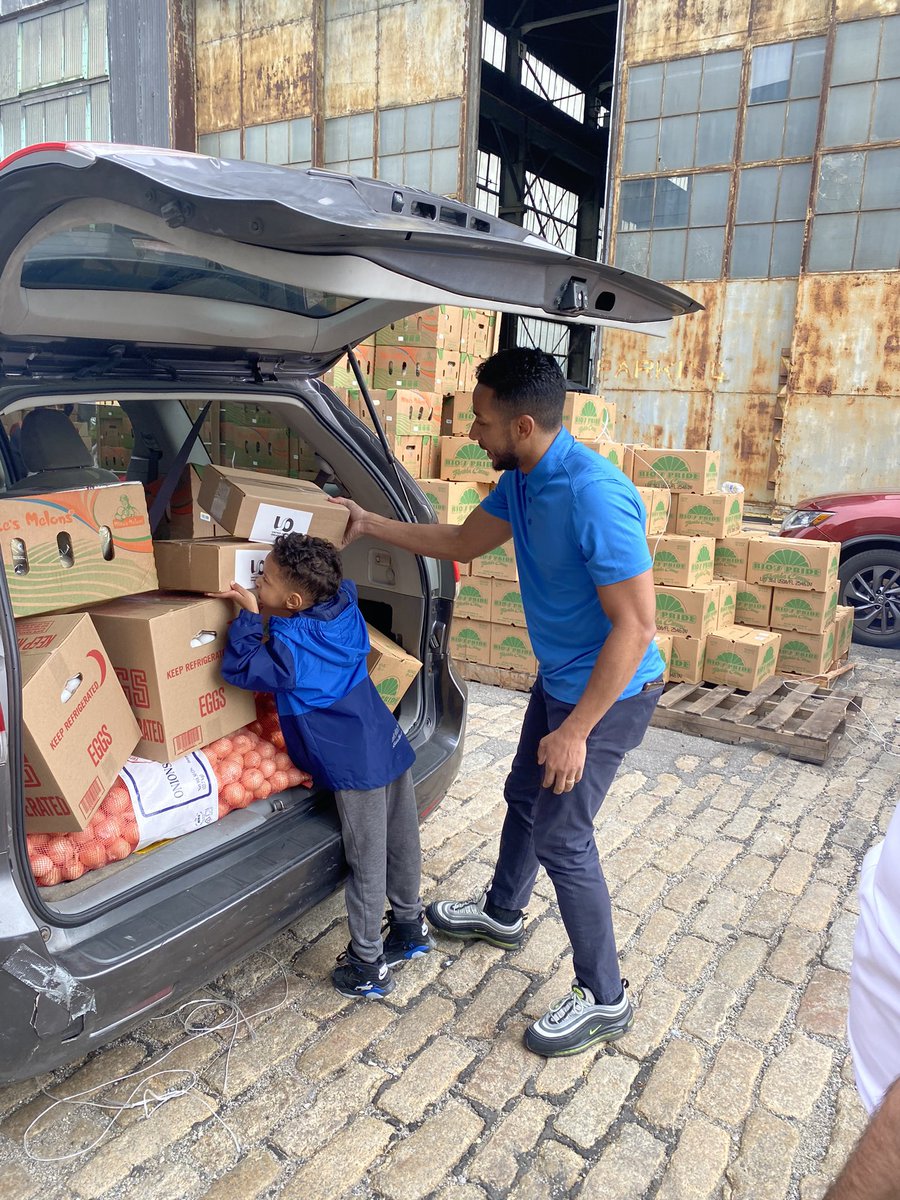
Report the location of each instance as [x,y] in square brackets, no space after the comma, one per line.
[337,726]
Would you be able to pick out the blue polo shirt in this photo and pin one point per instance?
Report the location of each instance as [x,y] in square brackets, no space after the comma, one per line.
[578,524]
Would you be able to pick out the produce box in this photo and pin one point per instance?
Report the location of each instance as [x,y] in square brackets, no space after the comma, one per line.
[479,332]
[209,565]
[430,369]
[656,501]
[716,516]
[498,564]
[588,417]
[407,412]
[457,415]
[664,645]
[453,502]
[78,728]
[474,599]
[511,648]
[682,470]
[68,549]
[613,452]
[741,657]
[167,652]
[731,556]
[753,603]
[843,630]
[184,517]
[465,460]
[806,653]
[808,612]
[506,604]
[441,326]
[683,561]
[690,611]
[259,507]
[391,669]
[688,658]
[727,601]
[793,563]
[470,641]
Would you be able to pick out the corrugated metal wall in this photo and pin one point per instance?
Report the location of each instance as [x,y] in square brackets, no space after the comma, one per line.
[795,379]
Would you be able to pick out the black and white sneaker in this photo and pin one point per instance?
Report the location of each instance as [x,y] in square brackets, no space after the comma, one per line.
[362,980]
[406,940]
[467,919]
[577,1022]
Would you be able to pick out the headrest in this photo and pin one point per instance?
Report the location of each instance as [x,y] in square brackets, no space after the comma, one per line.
[51,441]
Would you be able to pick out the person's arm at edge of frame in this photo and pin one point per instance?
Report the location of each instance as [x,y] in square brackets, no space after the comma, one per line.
[872,1171]
[631,608]
[479,533]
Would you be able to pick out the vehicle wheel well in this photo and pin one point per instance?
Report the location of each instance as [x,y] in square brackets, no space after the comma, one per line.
[864,545]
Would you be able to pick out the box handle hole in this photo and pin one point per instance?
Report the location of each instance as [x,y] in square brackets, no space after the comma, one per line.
[203,638]
[19,557]
[72,686]
[107,545]
[66,553]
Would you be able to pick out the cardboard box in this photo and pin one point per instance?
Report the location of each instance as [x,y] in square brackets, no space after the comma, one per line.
[474,598]
[613,452]
[588,417]
[465,460]
[664,645]
[684,561]
[731,556]
[457,415]
[497,564]
[467,372]
[68,549]
[682,470]
[431,458]
[258,508]
[657,502]
[716,516]
[741,657]
[753,604]
[808,612]
[184,517]
[793,563]
[78,729]
[691,611]
[407,413]
[479,332]
[634,454]
[688,659]
[209,565]
[430,369]
[408,452]
[470,641]
[453,502]
[440,326]
[511,648]
[843,630]
[506,603]
[806,654]
[167,652]
[258,449]
[342,374]
[391,669]
[727,601]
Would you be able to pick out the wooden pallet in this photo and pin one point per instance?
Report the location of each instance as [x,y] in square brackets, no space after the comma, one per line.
[802,719]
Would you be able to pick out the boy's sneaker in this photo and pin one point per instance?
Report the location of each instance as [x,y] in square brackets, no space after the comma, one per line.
[406,940]
[577,1022]
[362,980]
[467,919]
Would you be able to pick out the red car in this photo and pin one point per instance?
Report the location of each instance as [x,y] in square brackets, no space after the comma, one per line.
[867,527]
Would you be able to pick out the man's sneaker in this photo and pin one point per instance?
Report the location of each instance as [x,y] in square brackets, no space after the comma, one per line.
[362,980]
[577,1022]
[405,939]
[467,919]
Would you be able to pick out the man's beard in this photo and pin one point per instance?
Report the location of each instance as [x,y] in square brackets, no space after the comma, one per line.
[507,461]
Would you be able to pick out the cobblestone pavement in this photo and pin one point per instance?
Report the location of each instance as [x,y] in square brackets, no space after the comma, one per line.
[733,876]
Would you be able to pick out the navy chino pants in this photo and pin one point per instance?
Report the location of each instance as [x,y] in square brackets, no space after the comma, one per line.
[557,832]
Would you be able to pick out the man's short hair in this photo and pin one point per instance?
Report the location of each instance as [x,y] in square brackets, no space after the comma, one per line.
[526,382]
[311,564]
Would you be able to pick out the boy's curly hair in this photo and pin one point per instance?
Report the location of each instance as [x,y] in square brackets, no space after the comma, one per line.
[310,563]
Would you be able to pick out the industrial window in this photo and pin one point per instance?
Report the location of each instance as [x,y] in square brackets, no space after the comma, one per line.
[226,144]
[284,143]
[857,222]
[771,213]
[493,46]
[864,97]
[349,144]
[537,77]
[551,211]
[62,114]
[545,335]
[783,103]
[487,183]
[419,145]
[673,227]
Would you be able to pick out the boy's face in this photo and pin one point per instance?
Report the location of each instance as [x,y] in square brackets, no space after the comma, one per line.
[275,593]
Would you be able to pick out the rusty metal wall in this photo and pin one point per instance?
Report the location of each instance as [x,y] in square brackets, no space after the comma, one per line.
[795,381]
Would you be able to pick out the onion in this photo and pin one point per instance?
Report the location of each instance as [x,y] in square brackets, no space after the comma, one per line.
[93,855]
[73,870]
[60,850]
[252,758]
[41,864]
[117,849]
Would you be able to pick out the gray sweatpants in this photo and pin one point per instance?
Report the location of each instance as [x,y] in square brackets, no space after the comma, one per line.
[380,829]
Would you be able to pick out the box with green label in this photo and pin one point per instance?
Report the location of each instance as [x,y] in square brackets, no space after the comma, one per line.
[753,603]
[589,417]
[453,502]
[613,452]
[664,646]
[740,657]
[692,611]
[806,653]
[470,641]
[727,601]
[465,460]
[656,501]
[425,368]
[793,563]
[731,556]
[511,648]
[498,564]
[683,561]
[808,612]
[688,657]
[474,598]
[457,414]
[682,470]
[506,603]
[716,516]
[440,326]
[843,630]
[390,668]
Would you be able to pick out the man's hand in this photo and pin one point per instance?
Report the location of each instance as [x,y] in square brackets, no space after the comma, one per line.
[357,516]
[244,599]
[562,754]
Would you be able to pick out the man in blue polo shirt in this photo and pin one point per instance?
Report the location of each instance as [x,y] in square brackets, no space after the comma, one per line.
[578,526]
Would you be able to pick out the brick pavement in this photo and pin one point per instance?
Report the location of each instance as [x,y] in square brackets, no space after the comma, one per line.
[732,872]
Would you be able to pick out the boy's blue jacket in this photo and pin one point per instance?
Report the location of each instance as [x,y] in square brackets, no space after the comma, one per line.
[335,724]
